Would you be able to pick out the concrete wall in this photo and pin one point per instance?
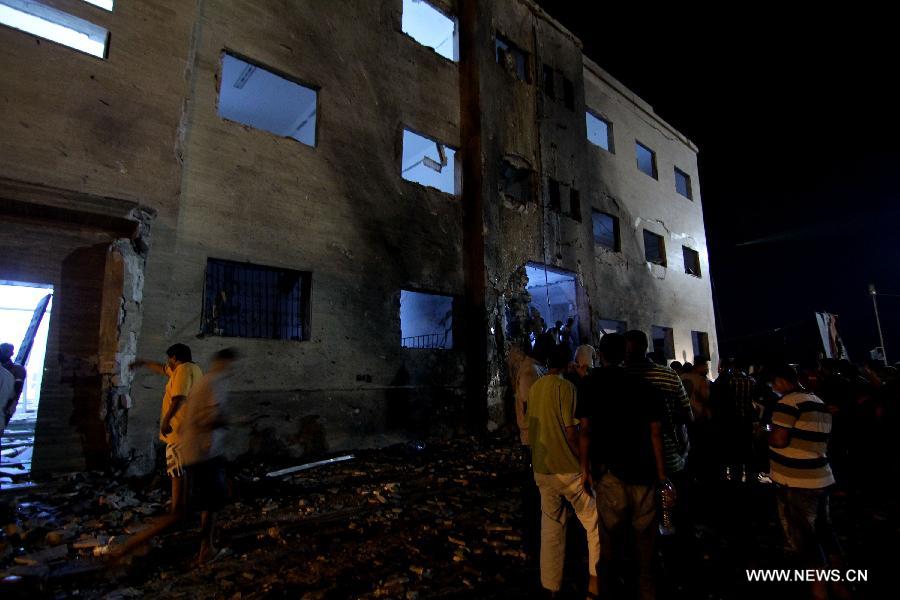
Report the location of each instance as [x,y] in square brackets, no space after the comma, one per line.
[629,288]
[339,210]
[141,129]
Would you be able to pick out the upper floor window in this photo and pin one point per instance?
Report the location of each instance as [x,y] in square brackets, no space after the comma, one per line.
[599,131]
[606,230]
[654,248]
[254,96]
[430,27]
[683,183]
[512,58]
[41,20]
[691,261]
[646,159]
[428,162]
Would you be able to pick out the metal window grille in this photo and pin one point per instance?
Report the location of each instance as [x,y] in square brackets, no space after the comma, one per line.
[427,341]
[244,300]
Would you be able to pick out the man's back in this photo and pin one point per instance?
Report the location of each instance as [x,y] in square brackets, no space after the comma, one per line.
[677,407]
[551,409]
[621,407]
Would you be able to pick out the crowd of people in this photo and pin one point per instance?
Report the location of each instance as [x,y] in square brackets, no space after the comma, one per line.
[626,440]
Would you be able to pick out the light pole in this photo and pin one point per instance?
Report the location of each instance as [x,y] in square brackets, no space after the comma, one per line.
[878,322]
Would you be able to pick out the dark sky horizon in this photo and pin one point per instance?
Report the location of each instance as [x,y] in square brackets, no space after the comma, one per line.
[794,118]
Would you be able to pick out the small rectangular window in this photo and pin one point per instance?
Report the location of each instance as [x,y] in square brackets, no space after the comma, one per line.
[254,301]
[512,58]
[568,94]
[575,204]
[549,81]
[599,131]
[553,195]
[515,183]
[426,320]
[606,230]
[691,261]
[663,341]
[612,326]
[683,183]
[700,341]
[646,160]
[55,25]
[430,27]
[428,162]
[254,96]
[654,248]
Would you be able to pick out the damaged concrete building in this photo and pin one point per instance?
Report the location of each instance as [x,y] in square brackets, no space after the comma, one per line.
[370,200]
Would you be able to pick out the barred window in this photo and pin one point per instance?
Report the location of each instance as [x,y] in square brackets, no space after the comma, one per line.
[245,300]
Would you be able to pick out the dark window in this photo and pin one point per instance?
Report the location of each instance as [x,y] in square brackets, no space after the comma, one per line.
[575,204]
[568,94]
[244,300]
[426,320]
[691,261]
[663,341]
[700,341]
[611,326]
[512,58]
[683,183]
[654,248]
[553,195]
[549,81]
[606,230]
[646,159]
[515,183]
[599,131]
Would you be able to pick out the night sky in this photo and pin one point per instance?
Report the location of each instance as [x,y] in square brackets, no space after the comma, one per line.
[795,118]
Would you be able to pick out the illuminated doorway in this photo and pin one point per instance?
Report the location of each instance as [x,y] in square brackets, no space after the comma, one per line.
[24,322]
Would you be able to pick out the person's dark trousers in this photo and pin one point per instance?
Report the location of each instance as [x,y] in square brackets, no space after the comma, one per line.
[627,511]
[806,522]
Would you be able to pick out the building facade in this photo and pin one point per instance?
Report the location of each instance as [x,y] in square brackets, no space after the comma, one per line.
[369,214]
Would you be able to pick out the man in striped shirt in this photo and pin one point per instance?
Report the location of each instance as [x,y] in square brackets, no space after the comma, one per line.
[675,399]
[801,425]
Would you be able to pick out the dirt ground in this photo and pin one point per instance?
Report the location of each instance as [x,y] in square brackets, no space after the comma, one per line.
[435,519]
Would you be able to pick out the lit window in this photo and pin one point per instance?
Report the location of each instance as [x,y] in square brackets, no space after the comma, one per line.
[428,26]
[244,300]
[55,25]
[683,183]
[654,248]
[606,230]
[599,131]
[251,95]
[512,58]
[691,261]
[428,162]
[663,341]
[426,320]
[646,159]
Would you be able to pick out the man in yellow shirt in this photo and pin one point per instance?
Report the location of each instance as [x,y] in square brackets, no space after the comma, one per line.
[553,434]
[183,374]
